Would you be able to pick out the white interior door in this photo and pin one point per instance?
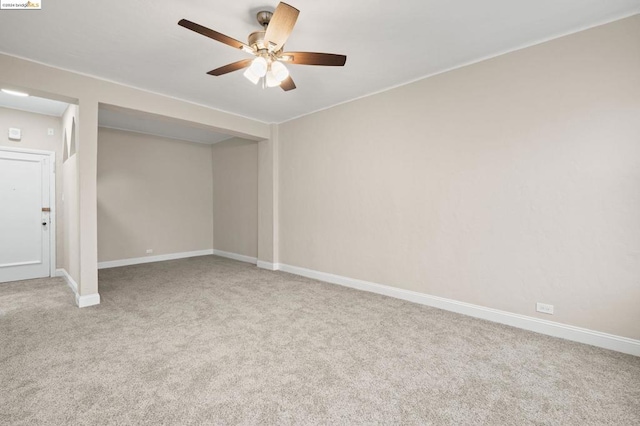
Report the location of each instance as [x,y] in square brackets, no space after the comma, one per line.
[24,216]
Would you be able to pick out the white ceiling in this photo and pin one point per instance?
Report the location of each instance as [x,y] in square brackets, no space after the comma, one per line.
[388,43]
[33,104]
[141,122]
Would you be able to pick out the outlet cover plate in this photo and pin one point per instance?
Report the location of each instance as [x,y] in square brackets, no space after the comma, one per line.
[544,308]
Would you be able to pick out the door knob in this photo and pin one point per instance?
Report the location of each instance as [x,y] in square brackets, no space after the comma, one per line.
[44,223]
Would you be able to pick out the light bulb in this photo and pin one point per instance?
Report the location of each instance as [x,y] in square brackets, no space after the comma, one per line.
[259,66]
[271,80]
[279,71]
[251,76]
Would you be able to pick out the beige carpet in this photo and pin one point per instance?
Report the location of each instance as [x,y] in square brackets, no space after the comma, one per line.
[214,341]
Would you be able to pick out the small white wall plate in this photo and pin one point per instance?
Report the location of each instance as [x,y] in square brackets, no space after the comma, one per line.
[14,134]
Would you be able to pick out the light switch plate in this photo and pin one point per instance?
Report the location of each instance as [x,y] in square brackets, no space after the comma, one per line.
[50,131]
[15,134]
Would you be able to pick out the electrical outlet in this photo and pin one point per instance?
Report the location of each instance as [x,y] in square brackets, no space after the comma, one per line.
[50,131]
[544,308]
[149,251]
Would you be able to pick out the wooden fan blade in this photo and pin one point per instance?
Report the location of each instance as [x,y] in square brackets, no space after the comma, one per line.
[280,26]
[313,58]
[288,84]
[214,35]
[231,67]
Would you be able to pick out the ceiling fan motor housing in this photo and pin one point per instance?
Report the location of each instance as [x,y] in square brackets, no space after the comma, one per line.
[256,40]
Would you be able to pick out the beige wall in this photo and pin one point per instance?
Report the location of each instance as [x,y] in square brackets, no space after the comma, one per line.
[504,183]
[88,93]
[235,196]
[268,244]
[153,193]
[34,136]
[71,200]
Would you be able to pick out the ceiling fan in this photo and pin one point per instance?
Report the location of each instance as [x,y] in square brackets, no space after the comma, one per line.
[267,45]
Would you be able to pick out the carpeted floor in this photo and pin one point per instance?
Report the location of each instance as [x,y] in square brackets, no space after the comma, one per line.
[214,341]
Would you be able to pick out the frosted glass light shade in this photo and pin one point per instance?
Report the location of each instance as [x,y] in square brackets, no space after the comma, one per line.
[279,71]
[251,76]
[259,66]
[272,81]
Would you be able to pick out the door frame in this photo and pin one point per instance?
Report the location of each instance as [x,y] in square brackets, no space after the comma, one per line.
[53,218]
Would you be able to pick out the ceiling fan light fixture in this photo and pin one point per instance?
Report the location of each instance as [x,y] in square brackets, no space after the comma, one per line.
[280,72]
[251,76]
[259,66]
[271,80]
[267,66]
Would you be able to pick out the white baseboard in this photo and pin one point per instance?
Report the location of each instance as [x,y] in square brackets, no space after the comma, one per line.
[81,301]
[88,300]
[235,256]
[73,285]
[268,265]
[569,332]
[150,259]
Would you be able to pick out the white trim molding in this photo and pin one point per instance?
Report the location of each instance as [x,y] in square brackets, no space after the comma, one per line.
[150,259]
[235,256]
[81,301]
[550,328]
[270,266]
[88,300]
[68,278]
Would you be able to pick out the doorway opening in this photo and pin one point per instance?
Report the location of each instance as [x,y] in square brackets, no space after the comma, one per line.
[32,149]
[170,189]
